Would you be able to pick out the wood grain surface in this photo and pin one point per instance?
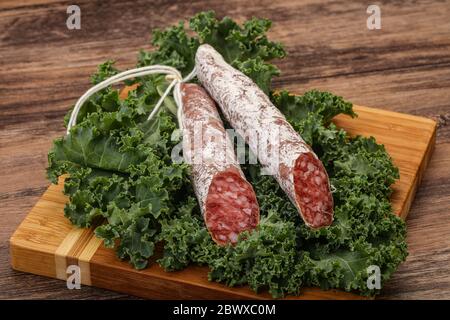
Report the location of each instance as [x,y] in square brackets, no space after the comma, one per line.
[405,66]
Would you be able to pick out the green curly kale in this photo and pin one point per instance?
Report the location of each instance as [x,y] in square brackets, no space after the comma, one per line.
[119,177]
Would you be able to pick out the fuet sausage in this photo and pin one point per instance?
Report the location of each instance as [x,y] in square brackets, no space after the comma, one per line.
[250,112]
[228,202]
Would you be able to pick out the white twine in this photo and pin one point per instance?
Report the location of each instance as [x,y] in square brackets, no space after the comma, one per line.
[171,73]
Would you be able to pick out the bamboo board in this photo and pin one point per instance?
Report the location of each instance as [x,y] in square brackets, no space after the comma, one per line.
[46,243]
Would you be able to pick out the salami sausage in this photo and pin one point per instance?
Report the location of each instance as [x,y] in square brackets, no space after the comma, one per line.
[228,202]
[251,113]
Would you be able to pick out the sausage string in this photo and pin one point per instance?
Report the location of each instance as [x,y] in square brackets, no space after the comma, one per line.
[172,74]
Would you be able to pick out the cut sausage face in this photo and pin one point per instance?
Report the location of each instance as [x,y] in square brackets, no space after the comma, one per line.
[312,191]
[231,207]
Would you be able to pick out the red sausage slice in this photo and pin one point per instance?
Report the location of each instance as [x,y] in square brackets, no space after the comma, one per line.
[231,206]
[312,191]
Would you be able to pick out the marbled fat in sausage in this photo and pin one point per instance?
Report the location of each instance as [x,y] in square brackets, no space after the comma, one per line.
[251,113]
[228,202]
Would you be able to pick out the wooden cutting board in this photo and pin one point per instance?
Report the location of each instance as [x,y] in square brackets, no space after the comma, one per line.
[46,243]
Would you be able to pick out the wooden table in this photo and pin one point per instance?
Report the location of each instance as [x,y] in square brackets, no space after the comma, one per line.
[405,67]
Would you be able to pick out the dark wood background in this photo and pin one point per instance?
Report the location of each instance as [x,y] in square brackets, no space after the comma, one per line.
[405,66]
